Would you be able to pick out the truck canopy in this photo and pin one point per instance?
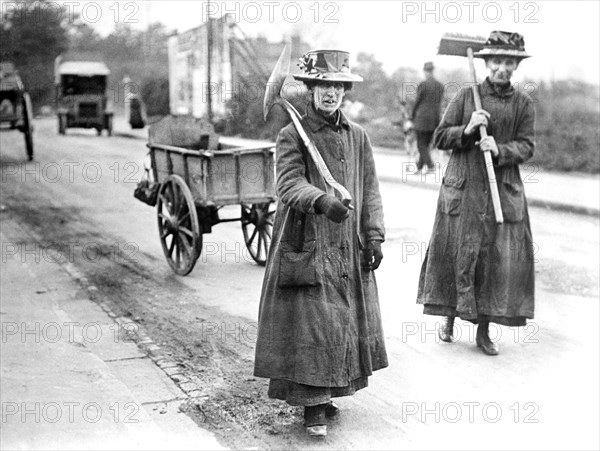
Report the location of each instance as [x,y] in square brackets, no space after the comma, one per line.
[81,64]
[83,68]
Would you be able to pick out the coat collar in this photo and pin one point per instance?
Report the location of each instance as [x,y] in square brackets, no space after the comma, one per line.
[488,88]
[317,121]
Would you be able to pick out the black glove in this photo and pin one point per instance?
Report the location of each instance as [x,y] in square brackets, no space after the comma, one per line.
[372,255]
[331,207]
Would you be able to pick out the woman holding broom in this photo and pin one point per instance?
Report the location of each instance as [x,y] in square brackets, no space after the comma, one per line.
[475,268]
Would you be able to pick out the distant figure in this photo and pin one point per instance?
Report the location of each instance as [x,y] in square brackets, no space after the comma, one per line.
[426,114]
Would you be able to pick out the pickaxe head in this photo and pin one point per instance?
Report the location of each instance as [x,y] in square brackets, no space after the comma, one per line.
[275,83]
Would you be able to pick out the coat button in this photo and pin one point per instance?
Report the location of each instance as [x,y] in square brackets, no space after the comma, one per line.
[342,160]
[345,276]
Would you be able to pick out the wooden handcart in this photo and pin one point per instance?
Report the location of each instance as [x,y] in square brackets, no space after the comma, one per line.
[15,105]
[197,177]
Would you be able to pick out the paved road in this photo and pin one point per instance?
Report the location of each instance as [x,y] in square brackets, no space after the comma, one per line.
[540,392]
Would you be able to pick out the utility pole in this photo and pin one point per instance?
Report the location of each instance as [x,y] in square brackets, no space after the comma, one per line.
[209,41]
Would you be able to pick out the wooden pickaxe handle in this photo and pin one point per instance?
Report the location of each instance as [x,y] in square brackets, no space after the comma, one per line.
[317,158]
[489,165]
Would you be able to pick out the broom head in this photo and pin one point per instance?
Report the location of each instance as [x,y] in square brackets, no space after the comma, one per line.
[457,44]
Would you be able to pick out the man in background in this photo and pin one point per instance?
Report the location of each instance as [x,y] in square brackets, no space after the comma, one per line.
[426,115]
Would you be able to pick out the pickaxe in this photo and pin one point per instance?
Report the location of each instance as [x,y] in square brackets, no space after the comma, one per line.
[459,45]
[273,96]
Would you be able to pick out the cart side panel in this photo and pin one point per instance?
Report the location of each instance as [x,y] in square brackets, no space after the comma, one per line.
[179,165]
[222,180]
[255,171]
[244,176]
[161,164]
[196,178]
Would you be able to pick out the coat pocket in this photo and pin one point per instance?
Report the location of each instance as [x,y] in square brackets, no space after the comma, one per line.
[451,195]
[512,199]
[297,269]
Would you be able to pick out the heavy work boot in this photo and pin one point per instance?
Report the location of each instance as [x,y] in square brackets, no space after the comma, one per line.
[446,330]
[483,339]
[332,410]
[315,421]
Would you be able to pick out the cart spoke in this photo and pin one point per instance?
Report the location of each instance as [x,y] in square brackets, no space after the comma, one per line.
[178,251]
[165,234]
[171,246]
[268,231]
[169,192]
[164,201]
[251,239]
[175,200]
[186,216]
[181,203]
[186,231]
[259,245]
[266,244]
[186,245]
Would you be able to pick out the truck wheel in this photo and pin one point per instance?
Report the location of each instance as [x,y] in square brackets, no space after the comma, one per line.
[62,124]
[109,124]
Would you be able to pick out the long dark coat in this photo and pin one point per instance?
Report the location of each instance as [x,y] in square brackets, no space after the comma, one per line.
[475,268]
[426,112]
[319,317]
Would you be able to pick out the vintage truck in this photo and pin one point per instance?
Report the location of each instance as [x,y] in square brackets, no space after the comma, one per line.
[81,93]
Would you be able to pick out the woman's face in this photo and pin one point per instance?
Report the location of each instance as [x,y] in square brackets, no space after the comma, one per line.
[328,96]
[501,68]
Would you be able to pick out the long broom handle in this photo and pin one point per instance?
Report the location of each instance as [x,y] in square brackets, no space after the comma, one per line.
[483,132]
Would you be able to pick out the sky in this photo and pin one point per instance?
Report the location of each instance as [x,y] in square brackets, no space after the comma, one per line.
[562,36]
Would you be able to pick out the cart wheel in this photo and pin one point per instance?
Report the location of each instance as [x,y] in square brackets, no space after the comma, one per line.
[257,225]
[27,125]
[178,225]
[62,124]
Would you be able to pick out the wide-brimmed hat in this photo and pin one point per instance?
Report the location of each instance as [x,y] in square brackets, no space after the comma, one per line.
[327,65]
[503,43]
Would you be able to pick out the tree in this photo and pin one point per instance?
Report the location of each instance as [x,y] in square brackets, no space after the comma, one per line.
[33,34]
[376,91]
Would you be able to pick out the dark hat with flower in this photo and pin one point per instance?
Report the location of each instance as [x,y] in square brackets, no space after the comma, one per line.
[327,65]
[503,43]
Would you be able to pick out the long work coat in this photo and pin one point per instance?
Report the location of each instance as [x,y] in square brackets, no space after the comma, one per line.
[475,268]
[319,318]
[426,112]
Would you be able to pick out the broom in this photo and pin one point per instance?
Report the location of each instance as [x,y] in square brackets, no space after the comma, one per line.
[462,45]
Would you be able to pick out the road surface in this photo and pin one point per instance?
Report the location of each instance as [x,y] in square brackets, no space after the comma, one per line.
[541,392]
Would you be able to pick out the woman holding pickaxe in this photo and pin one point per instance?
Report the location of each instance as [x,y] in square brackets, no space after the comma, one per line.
[479,263]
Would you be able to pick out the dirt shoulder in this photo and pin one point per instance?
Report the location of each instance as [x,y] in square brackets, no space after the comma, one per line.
[212,349]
